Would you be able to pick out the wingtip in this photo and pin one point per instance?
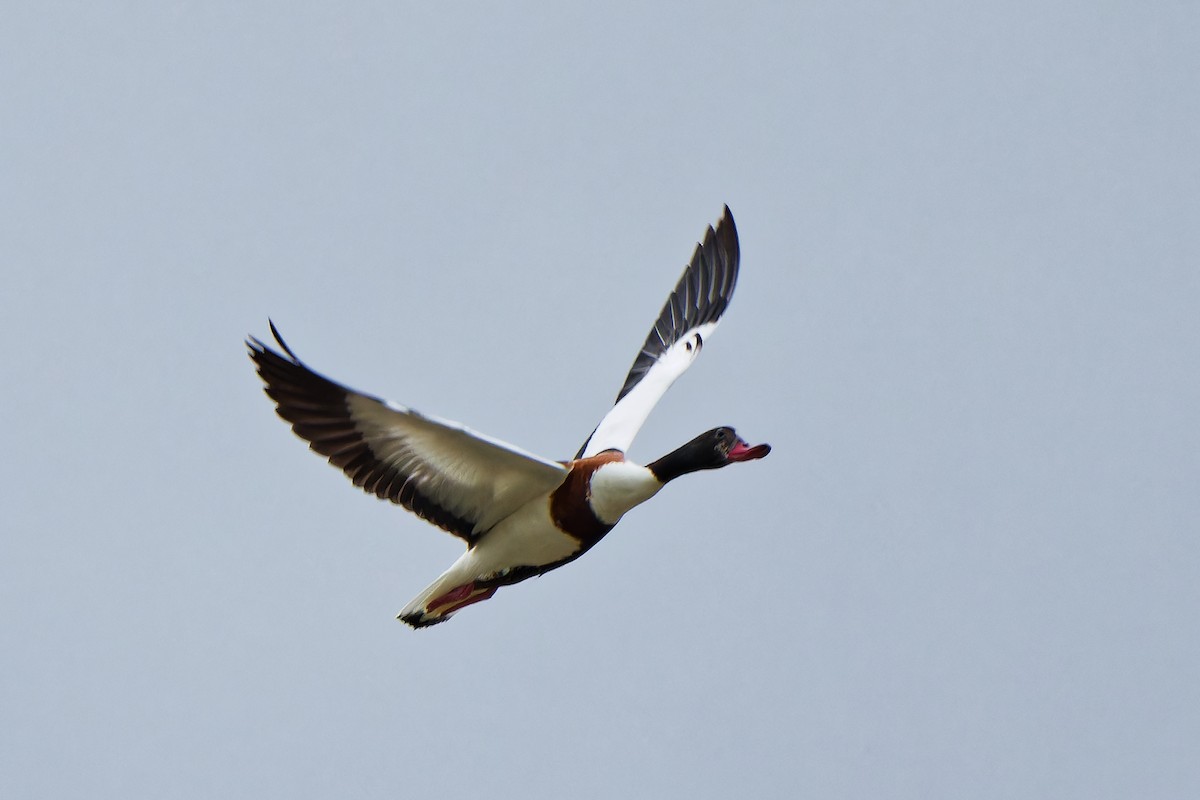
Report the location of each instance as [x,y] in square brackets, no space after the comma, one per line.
[726,224]
[279,338]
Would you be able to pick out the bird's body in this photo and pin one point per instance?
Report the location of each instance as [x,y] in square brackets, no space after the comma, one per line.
[541,535]
[520,515]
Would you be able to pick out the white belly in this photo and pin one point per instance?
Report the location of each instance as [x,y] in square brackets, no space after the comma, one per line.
[528,537]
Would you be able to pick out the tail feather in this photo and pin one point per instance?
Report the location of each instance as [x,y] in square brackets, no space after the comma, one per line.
[417,613]
[418,619]
[442,598]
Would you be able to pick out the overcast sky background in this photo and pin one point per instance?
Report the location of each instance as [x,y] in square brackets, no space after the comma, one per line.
[967,322]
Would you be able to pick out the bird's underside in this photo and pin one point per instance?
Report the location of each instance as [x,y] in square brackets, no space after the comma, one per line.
[519,514]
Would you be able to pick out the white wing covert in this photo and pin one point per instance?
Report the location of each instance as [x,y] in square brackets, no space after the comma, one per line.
[460,480]
[686,322]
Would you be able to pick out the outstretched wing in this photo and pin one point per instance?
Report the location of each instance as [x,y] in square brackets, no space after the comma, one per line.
[443,472]
[687,320]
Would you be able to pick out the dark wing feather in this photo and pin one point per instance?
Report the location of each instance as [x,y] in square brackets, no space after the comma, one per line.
[690,313]
[459,480]
[701,296]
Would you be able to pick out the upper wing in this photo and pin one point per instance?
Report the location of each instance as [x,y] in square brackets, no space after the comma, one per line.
[443,472]
[687,320]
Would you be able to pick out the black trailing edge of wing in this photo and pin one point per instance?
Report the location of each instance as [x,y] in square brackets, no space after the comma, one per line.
[701,296]
[317,410]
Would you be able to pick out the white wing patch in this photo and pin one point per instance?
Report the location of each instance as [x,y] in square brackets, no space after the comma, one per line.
[623,421]
[689,317]
[473,476]
[460,480]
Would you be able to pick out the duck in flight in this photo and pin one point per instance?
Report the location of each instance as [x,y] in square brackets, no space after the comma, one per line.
[519,514]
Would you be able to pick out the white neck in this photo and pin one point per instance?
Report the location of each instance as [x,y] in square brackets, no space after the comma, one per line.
[619,486]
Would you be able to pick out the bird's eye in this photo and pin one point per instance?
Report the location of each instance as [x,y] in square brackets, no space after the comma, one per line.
[688,346]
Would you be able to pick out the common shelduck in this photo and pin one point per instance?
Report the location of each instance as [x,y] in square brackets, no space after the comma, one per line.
[520,515]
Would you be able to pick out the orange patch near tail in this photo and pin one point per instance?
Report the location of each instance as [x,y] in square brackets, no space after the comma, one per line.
[459,597]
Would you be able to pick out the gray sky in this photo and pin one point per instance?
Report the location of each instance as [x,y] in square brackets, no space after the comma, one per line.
[967,323]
